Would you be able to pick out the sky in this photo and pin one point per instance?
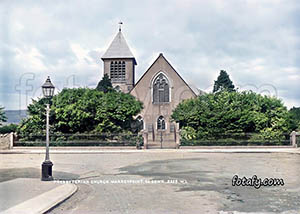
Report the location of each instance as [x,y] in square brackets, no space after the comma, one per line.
[256,41]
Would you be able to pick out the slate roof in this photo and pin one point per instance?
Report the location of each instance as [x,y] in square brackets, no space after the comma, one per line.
[118,49]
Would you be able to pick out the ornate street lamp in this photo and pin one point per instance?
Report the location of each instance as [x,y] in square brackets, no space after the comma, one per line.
[48,91]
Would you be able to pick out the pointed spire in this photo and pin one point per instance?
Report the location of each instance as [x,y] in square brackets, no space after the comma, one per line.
[118,48]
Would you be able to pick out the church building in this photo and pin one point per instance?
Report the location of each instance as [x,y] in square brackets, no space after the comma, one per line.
[160,89]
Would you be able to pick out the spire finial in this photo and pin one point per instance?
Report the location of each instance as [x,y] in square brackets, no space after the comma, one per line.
[120,26]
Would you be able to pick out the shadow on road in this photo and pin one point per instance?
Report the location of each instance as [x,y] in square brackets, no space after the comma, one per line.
[30,172]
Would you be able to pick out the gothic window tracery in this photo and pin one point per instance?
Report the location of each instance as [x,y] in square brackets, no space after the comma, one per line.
[161,89]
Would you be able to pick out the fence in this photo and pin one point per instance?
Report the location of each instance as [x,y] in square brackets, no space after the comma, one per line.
[240,139]
[123,139]
[104,139]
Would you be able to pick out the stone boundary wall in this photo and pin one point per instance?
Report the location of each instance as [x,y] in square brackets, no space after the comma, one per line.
[293,138]
[6,141]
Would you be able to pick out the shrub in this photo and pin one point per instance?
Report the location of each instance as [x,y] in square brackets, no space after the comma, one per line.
[8,128]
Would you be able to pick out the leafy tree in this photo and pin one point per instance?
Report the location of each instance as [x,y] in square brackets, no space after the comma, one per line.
[115,112]
[232,113]
[223,82]
[294,114]
[75,110]
[35,123]
[2,115]
[105,84]
[82,110]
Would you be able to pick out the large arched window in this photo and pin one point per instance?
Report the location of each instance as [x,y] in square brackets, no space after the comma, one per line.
[161,124]
[117,71]
[161,89]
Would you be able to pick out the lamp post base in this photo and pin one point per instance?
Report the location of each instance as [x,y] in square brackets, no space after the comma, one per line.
[47,171]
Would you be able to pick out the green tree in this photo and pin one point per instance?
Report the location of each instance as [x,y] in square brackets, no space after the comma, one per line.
[223,82]
[294,114]
[75,110]
[115,112]
[105,84]
[35,123]
[82,110]
[2,115]
[232,113]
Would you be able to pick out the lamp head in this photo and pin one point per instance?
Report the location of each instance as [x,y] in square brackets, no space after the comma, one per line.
[48,88]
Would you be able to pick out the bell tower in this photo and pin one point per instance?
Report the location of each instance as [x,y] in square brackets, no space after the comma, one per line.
[119,64]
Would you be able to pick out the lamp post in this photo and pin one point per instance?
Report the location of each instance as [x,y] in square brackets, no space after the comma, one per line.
[48,91]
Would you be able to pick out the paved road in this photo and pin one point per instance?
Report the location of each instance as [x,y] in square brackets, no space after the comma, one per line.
[204,181]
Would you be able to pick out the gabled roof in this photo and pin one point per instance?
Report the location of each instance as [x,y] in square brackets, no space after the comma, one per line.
[118,49]
[161,55]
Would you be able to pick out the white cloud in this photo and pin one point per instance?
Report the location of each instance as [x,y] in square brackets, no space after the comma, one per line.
[30,59]
[256,41]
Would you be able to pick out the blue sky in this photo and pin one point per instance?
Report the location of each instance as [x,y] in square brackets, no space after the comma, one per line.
[256,41]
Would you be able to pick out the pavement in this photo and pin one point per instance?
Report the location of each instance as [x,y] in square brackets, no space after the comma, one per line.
[32,196]
[203,149]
